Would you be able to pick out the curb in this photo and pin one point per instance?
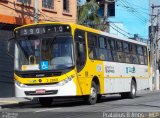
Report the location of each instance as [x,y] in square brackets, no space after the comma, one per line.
[18,104]
[9,105]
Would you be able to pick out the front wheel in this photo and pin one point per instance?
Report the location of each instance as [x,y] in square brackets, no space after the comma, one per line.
[92,98]
[46,102]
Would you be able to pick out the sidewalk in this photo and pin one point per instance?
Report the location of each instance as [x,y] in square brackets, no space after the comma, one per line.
[13,101]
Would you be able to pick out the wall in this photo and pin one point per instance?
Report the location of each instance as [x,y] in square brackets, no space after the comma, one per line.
[6,66]
[12,14]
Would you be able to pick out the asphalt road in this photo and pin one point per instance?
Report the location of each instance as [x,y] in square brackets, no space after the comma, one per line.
[145,104]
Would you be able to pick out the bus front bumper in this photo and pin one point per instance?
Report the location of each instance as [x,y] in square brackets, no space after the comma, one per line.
[36,91]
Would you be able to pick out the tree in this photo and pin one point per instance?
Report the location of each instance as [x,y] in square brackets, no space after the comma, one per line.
[87,15]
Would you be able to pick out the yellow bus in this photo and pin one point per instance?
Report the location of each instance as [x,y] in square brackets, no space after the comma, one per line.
[58,59]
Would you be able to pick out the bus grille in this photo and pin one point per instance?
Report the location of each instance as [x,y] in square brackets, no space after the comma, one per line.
[39,84]
[39,75]
[46,93]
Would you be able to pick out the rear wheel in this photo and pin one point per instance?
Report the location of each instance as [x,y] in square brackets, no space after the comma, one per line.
[132,93]
[45,101]
[92,98]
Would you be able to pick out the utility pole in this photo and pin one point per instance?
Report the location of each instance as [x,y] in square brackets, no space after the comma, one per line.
[157,53]
[105,9]
[152,46]
[106,2]
[36,11]
[105,13]
[154,68]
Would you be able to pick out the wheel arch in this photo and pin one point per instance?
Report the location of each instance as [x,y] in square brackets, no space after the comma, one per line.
[97,82]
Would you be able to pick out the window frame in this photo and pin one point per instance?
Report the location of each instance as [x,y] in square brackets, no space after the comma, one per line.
[24,2]
[145,55]
[84,44]
[47,6]
[66,6]
[94,46]
[128,56]
[120,52]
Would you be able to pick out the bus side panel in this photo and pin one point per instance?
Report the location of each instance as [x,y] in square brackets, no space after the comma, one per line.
[118,76]
[91,70]
[142,83]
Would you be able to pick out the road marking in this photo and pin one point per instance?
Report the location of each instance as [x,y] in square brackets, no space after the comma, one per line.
[47,110]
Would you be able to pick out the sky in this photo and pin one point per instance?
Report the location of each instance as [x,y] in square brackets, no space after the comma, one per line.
[133,15]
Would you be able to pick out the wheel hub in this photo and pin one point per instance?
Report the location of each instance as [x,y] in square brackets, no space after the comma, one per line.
[133,90]
[93,92]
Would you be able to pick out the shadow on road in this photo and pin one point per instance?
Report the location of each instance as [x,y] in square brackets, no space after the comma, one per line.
[63,103]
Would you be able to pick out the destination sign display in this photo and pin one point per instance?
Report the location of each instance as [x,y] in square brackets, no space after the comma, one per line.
[42,29]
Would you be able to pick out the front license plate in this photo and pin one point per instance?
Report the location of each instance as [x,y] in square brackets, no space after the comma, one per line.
[40,91]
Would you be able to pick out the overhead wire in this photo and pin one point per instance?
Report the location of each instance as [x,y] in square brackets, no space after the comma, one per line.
[19,11]
[137,13]
[137,6]
[118,31]
[133,9]
[121,29]
[130,11]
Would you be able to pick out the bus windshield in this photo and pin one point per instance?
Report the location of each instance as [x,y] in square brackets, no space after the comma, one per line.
[44,52]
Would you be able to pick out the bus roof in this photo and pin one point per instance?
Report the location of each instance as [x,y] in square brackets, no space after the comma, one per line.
[87,29]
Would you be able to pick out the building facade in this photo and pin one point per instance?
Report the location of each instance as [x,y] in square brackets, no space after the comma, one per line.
[21,12]
[15,13]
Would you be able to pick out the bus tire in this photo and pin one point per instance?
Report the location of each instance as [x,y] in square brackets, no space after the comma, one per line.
[92,98]
[46,102]
[132,93]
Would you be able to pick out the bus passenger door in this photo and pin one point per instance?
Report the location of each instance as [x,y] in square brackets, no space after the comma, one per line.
[80,47]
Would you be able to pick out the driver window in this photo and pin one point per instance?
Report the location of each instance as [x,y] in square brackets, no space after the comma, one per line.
[80,49]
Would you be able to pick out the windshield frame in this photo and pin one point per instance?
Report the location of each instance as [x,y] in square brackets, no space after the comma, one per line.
[53,70]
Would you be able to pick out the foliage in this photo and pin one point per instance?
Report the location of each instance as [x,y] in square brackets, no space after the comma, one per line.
[87,15]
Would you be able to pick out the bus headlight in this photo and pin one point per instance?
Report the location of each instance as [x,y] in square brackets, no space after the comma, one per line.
[66,80]
[20,84]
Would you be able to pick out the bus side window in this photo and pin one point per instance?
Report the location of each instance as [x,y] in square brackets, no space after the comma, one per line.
[140,54]
[134,55]
[111,49]
[127,50]
[102,50]
[126,47]
[145,55]
[80,49]
[111,44]
[93,46]
[120,53]
[119,46]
